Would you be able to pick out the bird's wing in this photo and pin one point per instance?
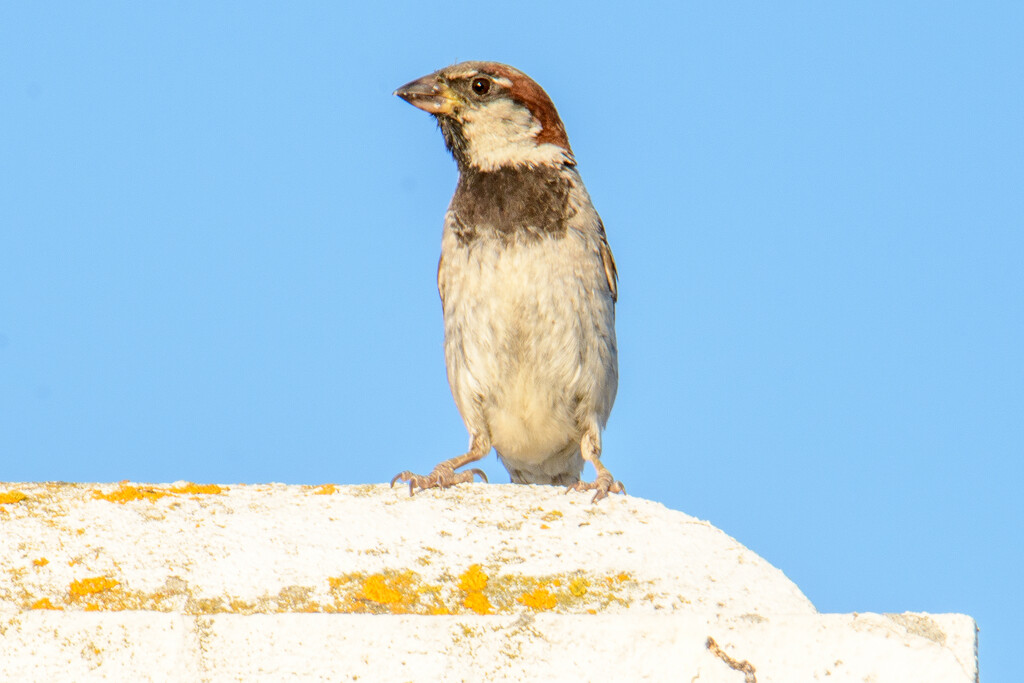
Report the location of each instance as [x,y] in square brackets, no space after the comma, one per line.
[610,271]
[440,282]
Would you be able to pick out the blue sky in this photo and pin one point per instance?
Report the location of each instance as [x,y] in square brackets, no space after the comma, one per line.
[219,234]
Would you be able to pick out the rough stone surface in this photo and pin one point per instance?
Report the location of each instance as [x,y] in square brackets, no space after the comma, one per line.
[276,548]
[499,582]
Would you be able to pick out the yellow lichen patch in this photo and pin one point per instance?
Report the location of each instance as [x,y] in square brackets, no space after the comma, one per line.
[40,562]
[91,586]
[239,606]
[574,593]
[126,493]
[92,607]
[206,606]
[9,497]
[294,599]
[552,516]
[578,586]
[431,600]
[325,490]
[539,599]
[44,603]
[200,489]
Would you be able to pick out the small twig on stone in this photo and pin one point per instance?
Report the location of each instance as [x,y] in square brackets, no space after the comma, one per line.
[745,667]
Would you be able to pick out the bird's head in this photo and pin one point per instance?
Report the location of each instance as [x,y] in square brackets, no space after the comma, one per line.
[492,116]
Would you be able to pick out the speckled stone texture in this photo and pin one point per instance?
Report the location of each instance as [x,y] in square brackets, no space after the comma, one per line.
[494,582]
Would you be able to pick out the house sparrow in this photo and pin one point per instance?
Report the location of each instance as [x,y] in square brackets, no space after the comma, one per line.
[527,283]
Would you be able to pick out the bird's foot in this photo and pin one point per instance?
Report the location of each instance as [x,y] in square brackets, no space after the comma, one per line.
[443,476]
[603,485]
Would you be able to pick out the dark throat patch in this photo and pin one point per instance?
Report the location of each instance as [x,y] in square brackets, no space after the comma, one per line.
[454,139]
[512,203]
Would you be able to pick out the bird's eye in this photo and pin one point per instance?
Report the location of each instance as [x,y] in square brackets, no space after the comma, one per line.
[481,86]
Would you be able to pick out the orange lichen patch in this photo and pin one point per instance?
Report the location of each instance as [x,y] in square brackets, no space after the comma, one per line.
[200,489]
[539,599]
[478,603]
[126,493]
[40,562]
[475,591]
[610,581]
[473,582]
[325,490]
[79,531]
[384,593]
[9,497]
[376,588]
[91,586]
[473,579]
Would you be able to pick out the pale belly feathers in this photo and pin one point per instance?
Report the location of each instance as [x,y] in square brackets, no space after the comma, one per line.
[530,349]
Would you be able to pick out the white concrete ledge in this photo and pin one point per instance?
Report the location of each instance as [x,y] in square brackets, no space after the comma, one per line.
[490,583]
[136,646]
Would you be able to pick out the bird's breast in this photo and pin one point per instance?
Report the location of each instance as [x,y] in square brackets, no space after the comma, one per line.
[529,338]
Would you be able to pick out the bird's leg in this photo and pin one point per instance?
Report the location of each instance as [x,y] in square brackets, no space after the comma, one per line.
[444,474]
[590,449]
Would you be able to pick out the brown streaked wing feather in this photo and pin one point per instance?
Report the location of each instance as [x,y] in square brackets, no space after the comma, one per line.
[610,272]
[440,285]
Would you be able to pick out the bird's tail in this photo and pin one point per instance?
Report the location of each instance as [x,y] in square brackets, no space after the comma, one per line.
[561,469]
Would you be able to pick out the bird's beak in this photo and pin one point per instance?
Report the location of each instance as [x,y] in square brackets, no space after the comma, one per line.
[430,94]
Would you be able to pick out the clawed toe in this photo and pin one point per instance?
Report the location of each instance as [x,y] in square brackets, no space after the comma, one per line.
[442,477]
[603,485]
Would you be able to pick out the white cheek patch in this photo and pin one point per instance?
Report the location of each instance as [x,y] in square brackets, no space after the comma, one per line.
[505,134]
